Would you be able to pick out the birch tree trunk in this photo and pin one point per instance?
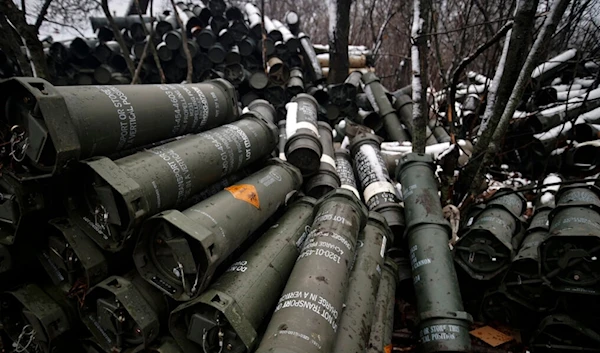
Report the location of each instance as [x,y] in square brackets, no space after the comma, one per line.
[511,62]
[421,11]
[548,29]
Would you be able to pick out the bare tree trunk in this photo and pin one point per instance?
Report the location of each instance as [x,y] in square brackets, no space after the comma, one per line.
[30,34]
[521,32]
[339,27]
[118,37]
[421,10]
[186,49]
[543,39]
[11,43]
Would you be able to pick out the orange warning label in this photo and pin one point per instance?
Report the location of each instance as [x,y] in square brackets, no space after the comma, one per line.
[387,349]
[491,336]
[245,192]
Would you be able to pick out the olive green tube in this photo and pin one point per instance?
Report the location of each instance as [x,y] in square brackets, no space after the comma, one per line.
[116,196]
[380,339]
[178,252]
[486,248]
[307,316]
[326,178]
[57,125]
[381,104]
[356,321]
[232,309]
[443,323]
[378,191]
[123,312]
[403,105]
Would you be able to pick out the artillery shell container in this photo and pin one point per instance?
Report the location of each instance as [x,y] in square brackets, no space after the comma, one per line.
[380,339]
[231,311]
[178,252]
[356,321]
[326,178]
[443,323]
[303,147]
[116,196]
[377,189]
[343,166]
[53,126]
[307,315]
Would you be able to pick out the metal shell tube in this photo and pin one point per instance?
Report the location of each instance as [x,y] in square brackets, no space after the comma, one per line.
[116,196]
[343,166]
[41,315]
[123,312]
[303,147]
[63,124]
[380,339]
[488,246]
[377,189]
[315,74]
[356,320]
[381,104]
[569,256]
[307,316]
[71,257]
[178,252]
[326,178]
[443,323]
[232,309]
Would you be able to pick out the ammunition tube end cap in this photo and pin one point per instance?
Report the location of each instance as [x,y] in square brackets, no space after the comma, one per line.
[305,96]
[410,159]
[231,96]
[264,108]
[292,169]
[369,77]
[378,220]
[322,183]
[304,151]
[176,226]
[364,138]
[394,217]
[340,193]
[324,125]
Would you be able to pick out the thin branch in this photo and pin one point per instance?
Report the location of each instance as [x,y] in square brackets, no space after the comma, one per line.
[118,37]
[42,15]
[466,61]
[149,37]
[136,75]
[479,24]
[65,25]
[186,49]
[379,39]
[263,33]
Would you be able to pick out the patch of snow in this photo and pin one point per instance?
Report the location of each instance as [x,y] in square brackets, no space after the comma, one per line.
[554,62]
[593,116]
[563,96]
[445,152]
[562,88]
[555,131]
[547,198]
[584,82]
[479,78]
[556,81]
